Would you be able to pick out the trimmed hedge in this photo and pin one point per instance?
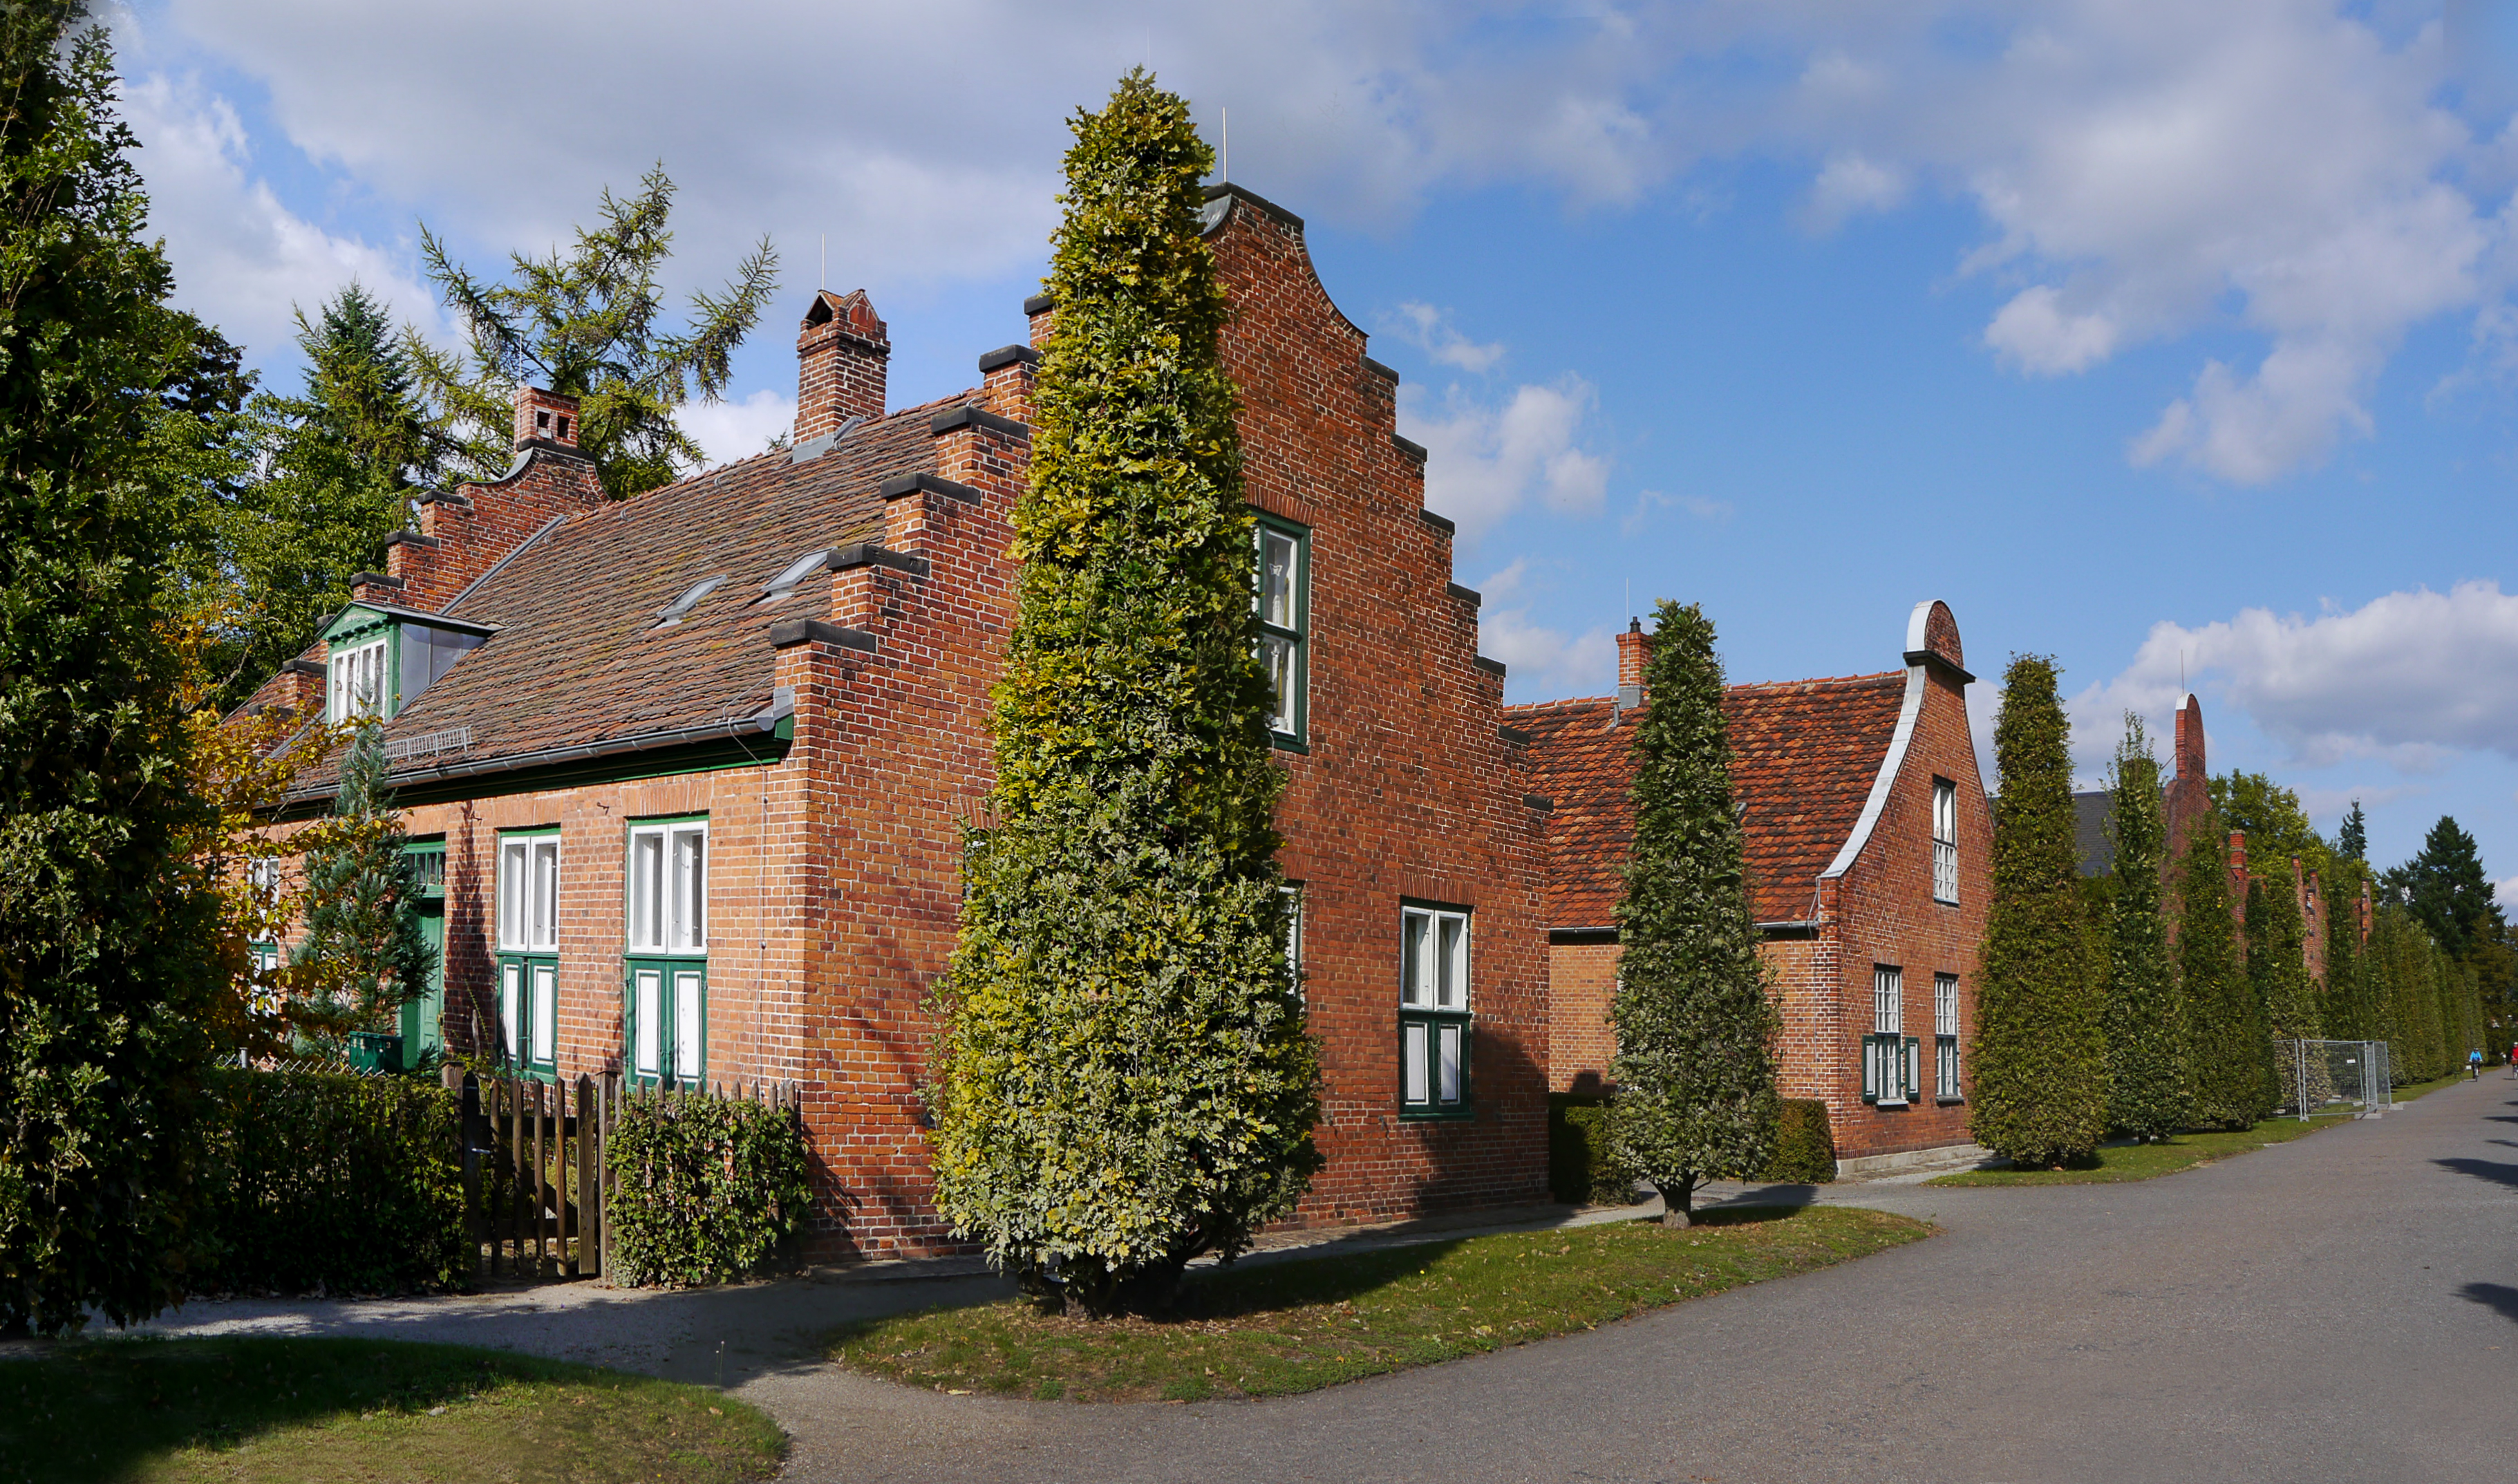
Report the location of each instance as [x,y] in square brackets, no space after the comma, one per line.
[1581,1167]
[332,1180]
[704,1190]
[1805,1145]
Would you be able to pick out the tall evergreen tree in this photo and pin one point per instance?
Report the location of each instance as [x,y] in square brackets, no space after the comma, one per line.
[103,991]
[2146,1016]
[586,323]
[362,955]
[2278,955]
[2041,1094]
[2225,1062]
[2446,886]
[2352,841]
[1695,1066]
[2417,1041]
[1124,1081]
[2344,1000]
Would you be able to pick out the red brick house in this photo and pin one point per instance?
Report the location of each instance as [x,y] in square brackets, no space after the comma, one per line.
[1869,852]
[697,763]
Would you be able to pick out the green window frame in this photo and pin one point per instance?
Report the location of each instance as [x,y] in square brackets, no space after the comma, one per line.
[1891,1069]
[1436,1028]
[1945,1038]
[378,661]
[528,950]
[1281,599]
[423,1017]
[663,1013]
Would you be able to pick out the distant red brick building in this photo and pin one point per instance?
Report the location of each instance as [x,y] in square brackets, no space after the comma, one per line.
[694,766]
[1868,848]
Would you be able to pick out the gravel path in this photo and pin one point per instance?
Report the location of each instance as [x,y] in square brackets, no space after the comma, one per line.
[2342,1307]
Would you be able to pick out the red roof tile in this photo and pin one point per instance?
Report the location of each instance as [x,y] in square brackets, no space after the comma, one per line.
[1804,756]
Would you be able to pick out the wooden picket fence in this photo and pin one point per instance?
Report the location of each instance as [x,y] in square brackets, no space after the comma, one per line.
[534,1177]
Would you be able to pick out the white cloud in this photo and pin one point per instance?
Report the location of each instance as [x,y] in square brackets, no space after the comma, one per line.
[1712,511]
[1431,331]
[242,259]
[1550,662]
[1484,461]
[2144,168]
[2410,679]
[738,428]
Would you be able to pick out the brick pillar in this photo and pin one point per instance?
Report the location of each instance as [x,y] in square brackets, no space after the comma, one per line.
[2186,797]
[545,417]
[1634,649]
[2239,877]
[843,353]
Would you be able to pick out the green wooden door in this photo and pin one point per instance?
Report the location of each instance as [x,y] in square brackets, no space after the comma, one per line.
[423,1019]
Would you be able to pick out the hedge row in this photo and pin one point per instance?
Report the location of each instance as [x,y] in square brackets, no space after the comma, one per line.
[332,1180]
[704,1190]
[1582,1171]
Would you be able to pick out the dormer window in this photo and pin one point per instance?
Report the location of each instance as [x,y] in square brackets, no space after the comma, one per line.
[356,685]
[382,658]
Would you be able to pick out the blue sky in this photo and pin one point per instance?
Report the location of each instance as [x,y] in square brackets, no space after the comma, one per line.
[2157,337]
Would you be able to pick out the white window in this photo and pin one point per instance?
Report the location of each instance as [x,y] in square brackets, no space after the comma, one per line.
[1945,1035]
[1945,841]
[529,893]
[1889,1054]
[667,1021]
[668,887]
[355,686]
[1293,895]
[261,877]
[1283,601]
[1433,1025]
[528,929]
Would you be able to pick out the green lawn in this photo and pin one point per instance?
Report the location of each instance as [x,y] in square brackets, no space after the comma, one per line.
[2144,1161]
[1299,1325]
[2407,1093]
[305,1409]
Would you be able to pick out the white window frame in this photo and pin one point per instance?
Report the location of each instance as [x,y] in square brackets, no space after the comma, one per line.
[1292,892]
[668,886]
[1945,1037]
[527,932]
[1945,841]
[1889,1054]
[1285,637]
[1436,1029]
[354,678]
[528,865]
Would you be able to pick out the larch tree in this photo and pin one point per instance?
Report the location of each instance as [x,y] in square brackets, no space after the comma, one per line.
[588,324]
[1123,1081]
[1695,1061]
[2146,1017]
[2041,1095]
[104,993]
[2225,1070]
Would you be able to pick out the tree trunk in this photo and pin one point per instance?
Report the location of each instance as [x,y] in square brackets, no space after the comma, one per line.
[1678,1203]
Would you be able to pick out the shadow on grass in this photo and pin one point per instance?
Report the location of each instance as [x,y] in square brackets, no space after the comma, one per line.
[108,1409]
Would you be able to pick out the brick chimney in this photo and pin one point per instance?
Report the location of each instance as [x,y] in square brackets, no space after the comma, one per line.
[841,355]
[545,420]
[1633,648]
[2187,799]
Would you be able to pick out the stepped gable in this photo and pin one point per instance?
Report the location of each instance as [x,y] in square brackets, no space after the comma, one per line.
[579,656]
[1804,756]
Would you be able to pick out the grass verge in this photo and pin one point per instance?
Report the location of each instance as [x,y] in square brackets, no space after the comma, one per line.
[2407,1094]
[1299,1325]
[2145,1162]
[288,1409]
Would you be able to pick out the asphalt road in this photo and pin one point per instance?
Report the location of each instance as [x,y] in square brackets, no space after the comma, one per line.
[2344,1307]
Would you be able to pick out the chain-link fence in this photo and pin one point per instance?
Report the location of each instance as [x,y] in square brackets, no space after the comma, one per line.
[2333,1076]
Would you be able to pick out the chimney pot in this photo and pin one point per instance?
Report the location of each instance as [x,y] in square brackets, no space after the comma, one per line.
[1633,648]
[843,353]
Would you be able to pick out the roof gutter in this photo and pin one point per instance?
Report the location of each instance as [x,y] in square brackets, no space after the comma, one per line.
[781,707]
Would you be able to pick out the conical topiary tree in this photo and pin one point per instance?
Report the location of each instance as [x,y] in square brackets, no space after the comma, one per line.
[1695,1067]
[2277,974]
[2040,1095]
[2344,999]
[2146,1017]
[2224,1067]
[1123,1081]
[362,956]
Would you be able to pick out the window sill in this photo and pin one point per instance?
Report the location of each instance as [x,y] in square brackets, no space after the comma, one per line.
[1947,1102]
[1286,743]
[1460,1116]
[1945,901]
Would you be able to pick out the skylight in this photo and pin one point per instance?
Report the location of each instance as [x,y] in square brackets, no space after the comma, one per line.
[788,581]
[671,613]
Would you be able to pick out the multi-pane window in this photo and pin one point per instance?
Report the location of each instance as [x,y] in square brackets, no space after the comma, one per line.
[1284,602]
[668,916]
[355,686]
[1945,840]
[1293,895]
[1889,1054]
[1945,1035]
[1434,1028]
[529,949]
